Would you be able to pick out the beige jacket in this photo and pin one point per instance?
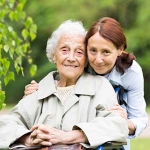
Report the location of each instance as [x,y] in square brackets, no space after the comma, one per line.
[87,109]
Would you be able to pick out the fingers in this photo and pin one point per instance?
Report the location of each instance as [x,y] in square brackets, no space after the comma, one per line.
[30,88]
[47,134]
[40,131]
[34,127]
[33,82]
[44,128]
[118,109]
[39,138]
[44,143]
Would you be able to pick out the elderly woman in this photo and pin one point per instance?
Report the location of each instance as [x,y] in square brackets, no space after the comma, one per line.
[65,109]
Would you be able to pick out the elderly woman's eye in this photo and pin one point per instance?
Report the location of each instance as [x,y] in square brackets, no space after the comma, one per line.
[64,49]
[80,52]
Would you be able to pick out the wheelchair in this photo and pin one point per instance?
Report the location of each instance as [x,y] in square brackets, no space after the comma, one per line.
[105,146]
[112,146]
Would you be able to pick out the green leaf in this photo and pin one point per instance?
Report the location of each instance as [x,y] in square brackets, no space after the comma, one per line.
[2,99]
[1,69]
[11,3]
[22,71]
[6,48]
[11,53]
[19,60]
[30,61]
[22,1]
[10,29]
[13,43]
[17,69]
[1,2]
[6,63]
[33,70]
[32,35]
[25,33]
[3,105]
[33,28]
[25,47]
[22,15]
[1,37]
[13,16]
[10,76]
[28,22]
[19,7]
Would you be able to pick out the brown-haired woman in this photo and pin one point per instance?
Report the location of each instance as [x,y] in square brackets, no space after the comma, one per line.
[106,44]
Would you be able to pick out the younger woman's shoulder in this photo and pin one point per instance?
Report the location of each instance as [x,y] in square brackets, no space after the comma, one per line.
[135,67]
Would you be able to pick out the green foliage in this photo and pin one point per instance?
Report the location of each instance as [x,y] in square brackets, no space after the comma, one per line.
[14,41]
[133,15]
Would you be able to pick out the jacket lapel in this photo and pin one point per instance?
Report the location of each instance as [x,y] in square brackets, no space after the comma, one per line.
[83,87]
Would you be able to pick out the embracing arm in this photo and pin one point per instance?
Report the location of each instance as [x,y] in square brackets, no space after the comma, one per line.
[122,112]
[136,105]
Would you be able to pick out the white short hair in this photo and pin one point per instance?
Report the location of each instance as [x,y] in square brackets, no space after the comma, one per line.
[67,27]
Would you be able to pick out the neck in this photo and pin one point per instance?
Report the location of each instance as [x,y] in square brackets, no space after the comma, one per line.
[64,84]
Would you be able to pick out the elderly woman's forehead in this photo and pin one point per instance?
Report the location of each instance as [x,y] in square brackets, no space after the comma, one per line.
[72,37]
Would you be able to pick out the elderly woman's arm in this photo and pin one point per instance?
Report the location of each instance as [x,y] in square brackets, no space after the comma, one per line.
[33,86]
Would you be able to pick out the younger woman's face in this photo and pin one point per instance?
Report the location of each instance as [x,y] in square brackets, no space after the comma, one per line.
[102,54]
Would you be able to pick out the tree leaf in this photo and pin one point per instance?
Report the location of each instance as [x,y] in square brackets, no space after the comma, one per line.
[25,33]
[33,70]
[10,76]
[6,48]
[2,98]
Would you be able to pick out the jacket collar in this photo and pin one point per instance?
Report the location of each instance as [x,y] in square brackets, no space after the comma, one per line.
[83,86]
[114,76]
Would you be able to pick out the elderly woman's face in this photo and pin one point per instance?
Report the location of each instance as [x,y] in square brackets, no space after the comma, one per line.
[70,56]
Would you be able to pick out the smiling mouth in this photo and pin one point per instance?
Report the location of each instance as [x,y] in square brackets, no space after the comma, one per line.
[99,66]
[71,66]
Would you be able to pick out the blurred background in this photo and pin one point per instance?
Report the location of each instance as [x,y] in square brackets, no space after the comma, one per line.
[133,15]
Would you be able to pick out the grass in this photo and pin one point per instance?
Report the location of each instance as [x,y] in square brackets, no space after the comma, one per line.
[140,144]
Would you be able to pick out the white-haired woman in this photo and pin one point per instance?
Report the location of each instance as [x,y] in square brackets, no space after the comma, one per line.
[64,109]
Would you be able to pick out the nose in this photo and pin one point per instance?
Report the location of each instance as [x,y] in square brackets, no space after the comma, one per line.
[99,59]
[71,56]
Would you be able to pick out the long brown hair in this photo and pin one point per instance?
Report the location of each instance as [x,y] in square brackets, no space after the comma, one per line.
[111,30]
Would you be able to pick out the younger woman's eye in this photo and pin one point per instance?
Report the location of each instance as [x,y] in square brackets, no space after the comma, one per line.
[93,50]
[106,51]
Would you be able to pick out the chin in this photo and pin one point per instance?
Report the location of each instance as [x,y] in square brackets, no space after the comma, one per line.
[101,72]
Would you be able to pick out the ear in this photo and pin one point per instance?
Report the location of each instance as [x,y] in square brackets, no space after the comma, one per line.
[54,59]
[120,50]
